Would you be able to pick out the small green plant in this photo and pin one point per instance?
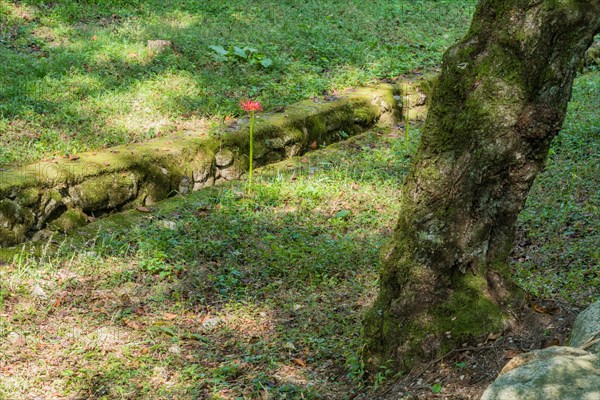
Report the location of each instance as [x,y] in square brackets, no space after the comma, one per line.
[356,368]
[436,388]
[157,264]
[234,54]
[381,376]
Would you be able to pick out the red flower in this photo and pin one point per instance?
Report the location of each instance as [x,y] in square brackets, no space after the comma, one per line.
[249,105]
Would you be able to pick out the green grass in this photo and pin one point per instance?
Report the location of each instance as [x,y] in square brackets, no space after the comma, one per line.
[76,75]
[557,253]
[232,296]
[283,275]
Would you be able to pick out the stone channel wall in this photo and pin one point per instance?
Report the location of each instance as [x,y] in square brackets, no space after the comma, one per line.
[64,194]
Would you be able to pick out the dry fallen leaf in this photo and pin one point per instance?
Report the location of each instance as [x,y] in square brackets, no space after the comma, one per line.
[143,209]
[510,354]
[300,362]
[544,309]
[133,325]
[169,316]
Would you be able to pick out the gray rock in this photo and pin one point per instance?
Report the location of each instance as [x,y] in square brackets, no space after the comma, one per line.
[555,373]
[201,168]
[291,137]
[586,330]
[43,234]
[293,150]
[234,171]
[103,192]
[224,158]
[15,222]
[50,201]
[69,221]
[231,173]
[184,185]
[8,213]
[208,182]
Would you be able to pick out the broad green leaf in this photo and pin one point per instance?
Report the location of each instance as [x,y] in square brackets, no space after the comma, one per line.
[266,62]
[220,50]
[342,214]
[240,52]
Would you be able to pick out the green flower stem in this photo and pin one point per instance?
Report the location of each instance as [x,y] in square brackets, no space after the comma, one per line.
[251,156]
[406,122]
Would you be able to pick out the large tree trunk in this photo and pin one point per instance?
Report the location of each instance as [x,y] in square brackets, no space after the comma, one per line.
[500,99]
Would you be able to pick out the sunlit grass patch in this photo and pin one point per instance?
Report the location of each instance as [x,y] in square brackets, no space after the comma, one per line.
[60,60]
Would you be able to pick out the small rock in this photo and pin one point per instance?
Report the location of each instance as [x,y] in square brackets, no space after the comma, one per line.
[184,185]
[200,185]
[14,338]
[69,221]
[224,158]
[232,173]
[38,292]
[44,234]
[172,225]
[211,322]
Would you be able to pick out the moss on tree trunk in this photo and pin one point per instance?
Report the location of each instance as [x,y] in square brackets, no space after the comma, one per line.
[500,100]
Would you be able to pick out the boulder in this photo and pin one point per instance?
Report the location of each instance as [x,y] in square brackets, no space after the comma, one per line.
[555,373]
[586,330]
[561,373]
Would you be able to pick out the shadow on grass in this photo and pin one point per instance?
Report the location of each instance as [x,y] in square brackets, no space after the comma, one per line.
[223,295]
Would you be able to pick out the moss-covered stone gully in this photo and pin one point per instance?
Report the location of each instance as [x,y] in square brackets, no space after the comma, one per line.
[64,194]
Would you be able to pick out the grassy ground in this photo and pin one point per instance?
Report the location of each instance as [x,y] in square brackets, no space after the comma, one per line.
[230,297]
[77,75]
[557,253]
[236,296]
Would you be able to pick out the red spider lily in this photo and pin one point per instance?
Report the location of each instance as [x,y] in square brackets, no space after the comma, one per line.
[249,105]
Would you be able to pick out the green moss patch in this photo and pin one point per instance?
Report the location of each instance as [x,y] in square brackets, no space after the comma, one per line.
[142,174]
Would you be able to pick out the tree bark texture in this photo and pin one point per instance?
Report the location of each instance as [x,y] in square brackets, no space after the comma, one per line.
[500,99]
